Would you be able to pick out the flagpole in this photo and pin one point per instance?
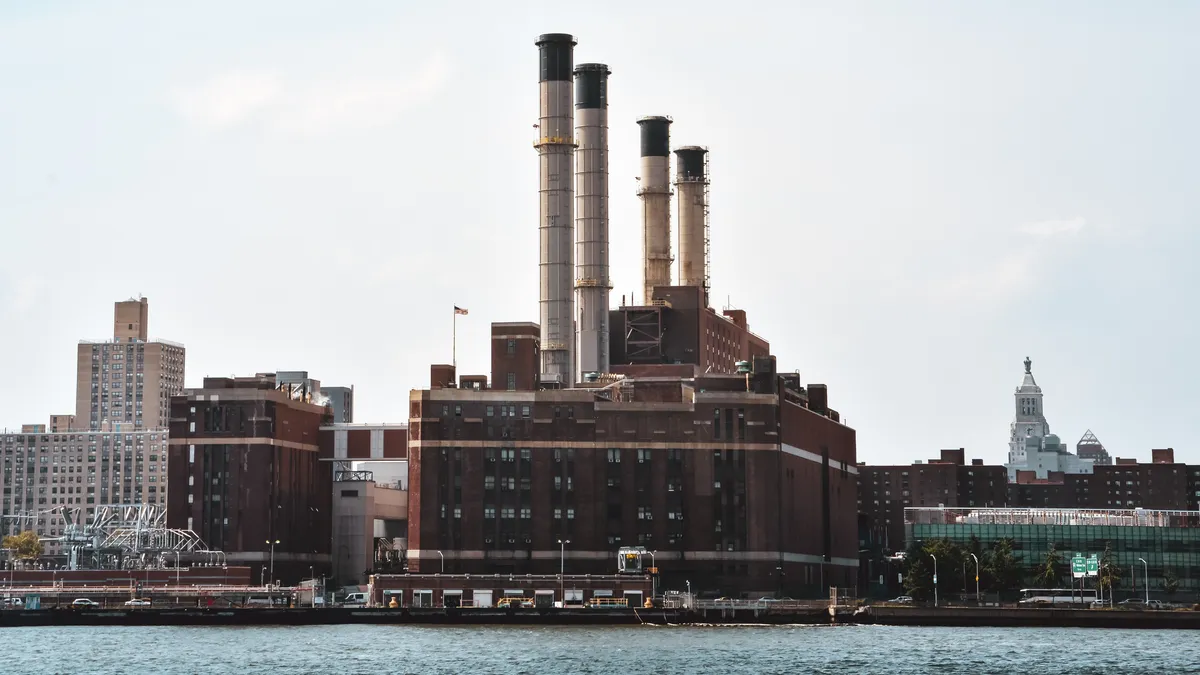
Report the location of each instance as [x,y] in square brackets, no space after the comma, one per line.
[454,341]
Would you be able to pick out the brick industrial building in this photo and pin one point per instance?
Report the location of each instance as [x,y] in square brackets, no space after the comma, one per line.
[742,483]
[244,471]
[662,424]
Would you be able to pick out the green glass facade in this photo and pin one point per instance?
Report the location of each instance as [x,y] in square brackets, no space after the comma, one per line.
[1167,540]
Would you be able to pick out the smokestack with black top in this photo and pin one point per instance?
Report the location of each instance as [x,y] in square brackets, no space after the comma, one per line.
[655,190]
[556,156]
[591,215]
[691,180]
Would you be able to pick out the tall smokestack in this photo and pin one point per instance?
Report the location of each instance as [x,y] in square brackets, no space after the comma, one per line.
[591,215]
[556,156]
[655,191]
[691,181]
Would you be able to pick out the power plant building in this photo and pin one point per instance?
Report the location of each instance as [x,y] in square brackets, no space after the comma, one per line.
[244,471]
[744,482]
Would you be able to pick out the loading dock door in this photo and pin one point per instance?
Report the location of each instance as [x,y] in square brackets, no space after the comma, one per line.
[633,598]
[543,599]
[482,598]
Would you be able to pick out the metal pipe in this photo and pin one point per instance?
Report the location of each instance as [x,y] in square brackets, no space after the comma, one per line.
[654,188]
[592,283]
[691,180]
[556,155]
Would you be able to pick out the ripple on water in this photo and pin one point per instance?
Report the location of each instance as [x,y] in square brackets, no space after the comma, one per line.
[714,650]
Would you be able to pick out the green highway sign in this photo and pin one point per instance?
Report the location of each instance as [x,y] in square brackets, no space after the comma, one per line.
[1078,566]
[1093,566]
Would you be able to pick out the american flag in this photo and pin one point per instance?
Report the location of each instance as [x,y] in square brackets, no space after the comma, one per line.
[460,310]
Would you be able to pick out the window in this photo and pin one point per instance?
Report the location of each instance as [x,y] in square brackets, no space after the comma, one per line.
[717,423]
[508,483]
[489,512]
[507,455]
[558,514]
[557,455]
[644,513]
[525,412]
[526,513]
[489,482]
[458,512]
[511,348]
[558,482]
[525,454]
[507,512]
[512,381]
[489,410]
[643,456]
[570,514]
[490,454]
[614,456]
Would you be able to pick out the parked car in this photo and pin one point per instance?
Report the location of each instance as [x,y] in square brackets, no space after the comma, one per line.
[84,602]
[1156,604]
[12,603]
[1132,601]
[902,600]
[137,602]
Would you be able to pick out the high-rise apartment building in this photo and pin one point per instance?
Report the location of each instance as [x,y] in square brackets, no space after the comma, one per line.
[51,477]
[128,379]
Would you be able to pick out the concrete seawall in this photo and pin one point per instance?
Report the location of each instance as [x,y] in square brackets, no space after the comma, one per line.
[891,616]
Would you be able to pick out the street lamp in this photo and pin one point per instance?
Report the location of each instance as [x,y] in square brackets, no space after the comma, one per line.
[976,577]
[443,561]
[1146,578]
[935,598]
[312,578]
[562,570]
[272,545]
[653,577]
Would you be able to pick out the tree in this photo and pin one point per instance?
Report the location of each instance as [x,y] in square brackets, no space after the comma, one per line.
[1170,582]
[920,568]
[1110,574]
[1004,568]
[25,546]
[1050,574]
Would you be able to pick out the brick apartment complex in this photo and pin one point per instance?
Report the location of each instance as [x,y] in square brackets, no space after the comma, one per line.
[45,473]
[128,379]
[244,470]
[742,483]
[1162,483]
[885,491]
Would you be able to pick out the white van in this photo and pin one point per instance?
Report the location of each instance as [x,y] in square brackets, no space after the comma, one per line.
[357,599]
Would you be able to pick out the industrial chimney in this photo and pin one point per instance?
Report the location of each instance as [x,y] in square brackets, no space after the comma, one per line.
[655,191]
[691,181]
[556,155]
[591,215]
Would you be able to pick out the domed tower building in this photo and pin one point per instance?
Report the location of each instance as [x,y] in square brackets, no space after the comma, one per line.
[1031,446]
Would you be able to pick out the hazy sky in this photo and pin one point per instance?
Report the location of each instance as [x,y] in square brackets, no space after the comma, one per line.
[908,198]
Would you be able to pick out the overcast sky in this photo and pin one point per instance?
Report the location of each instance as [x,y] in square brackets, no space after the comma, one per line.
[907,198]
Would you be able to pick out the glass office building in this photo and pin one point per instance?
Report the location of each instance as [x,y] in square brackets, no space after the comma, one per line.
[1166,540]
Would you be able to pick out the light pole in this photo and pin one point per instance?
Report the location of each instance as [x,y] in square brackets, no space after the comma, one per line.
[653,577]
[443,561]
[272,544]
[976,578]
[935,598]
[562,570]
[689,596]
[1146,578]
[312,578]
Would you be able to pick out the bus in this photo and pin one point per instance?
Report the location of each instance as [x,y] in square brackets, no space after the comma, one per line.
[1057,596]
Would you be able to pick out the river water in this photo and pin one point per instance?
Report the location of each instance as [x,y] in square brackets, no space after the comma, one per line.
[330,650]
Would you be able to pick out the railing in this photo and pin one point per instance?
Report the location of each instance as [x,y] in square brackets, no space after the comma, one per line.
[608,602]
